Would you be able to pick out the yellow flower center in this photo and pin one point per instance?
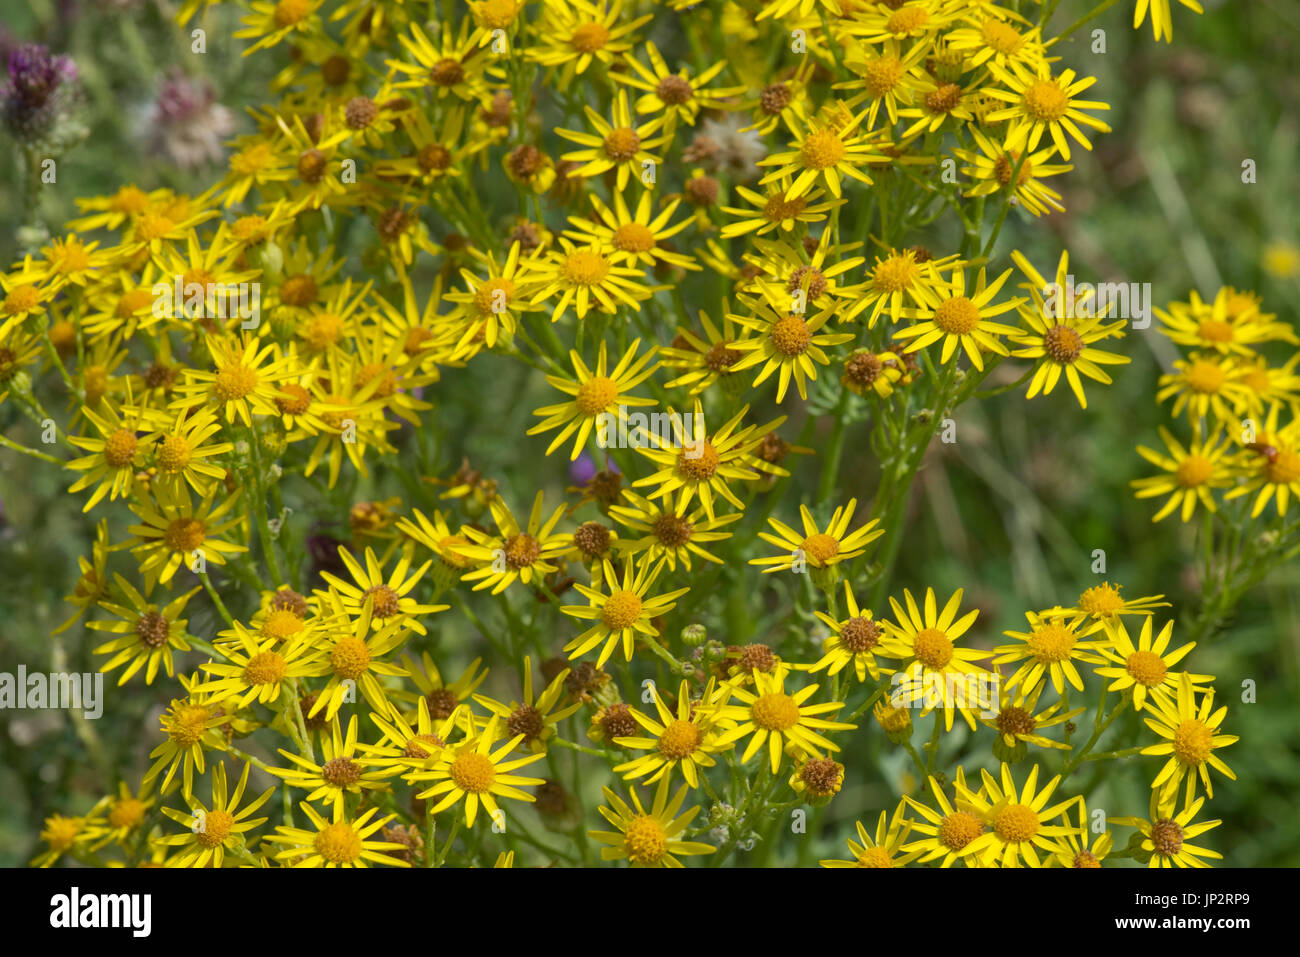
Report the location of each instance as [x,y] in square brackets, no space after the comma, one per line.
[1001,37]
[153,226]
[586,267]
[1167,836]
[132,301]
[645,840]
[495,14]
[589,38]
[777,208]
[1046,101]
[1193,742]
[281,623]
[338,843]
[704,464]
[775,711]
[264,668]
[1016,823]
[387,602]
[1284,469]
[185,724]
[1213,330]
[622,144]
[61,832]
[216,828]
[906,20]
[634,238]
[1194,470]
[1005,166]
[21,299]
[679,739]
[522,550]
[875,857]
[1085,859]
[882,74]
[822,149]
[234,383]
[473,772]
[957,316]
[289,12]
[493,292]
[1052,642]
[790,335]
[185,534]
[120,448]
[621,609]
[596,395]
[350,657]
[1146,667]
[447,72]
[174,454]
[894,274]
[1062,344]
[820,548]
[933,648]
[1205,377]
[1101,600]
[126,812]
[958,829]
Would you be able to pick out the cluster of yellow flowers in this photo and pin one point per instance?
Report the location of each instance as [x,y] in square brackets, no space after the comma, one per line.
[219,349]
[1234,400]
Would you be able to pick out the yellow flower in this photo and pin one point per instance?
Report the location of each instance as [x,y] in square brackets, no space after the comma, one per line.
[1043,103]
[777,208]
[352,653]
[274,22]
[1016,826]
[886,849]
[995,167]
[454,67]
[573,33]
[948,832]
[1165,835]
[648,838]
[683,739]
[174,532]
[116,456]
[820,549]
[587,277]
[1274,466]
[785,341]
[515,553]
[768,715]
[390,600]
[471,770]
[1055,641]
[150,632]
[938,672]
[626,612]
[259,666]
[853,640]
[1144,667]
[668,535]
[827,151]
[1075,850]
[212,833]
[597,398]
[243,382]
[617,144]
[338,774]
[959,319]
[636,240]
[1190,474]
[340,842]
[1191,734]
[696,463]
[535,718]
